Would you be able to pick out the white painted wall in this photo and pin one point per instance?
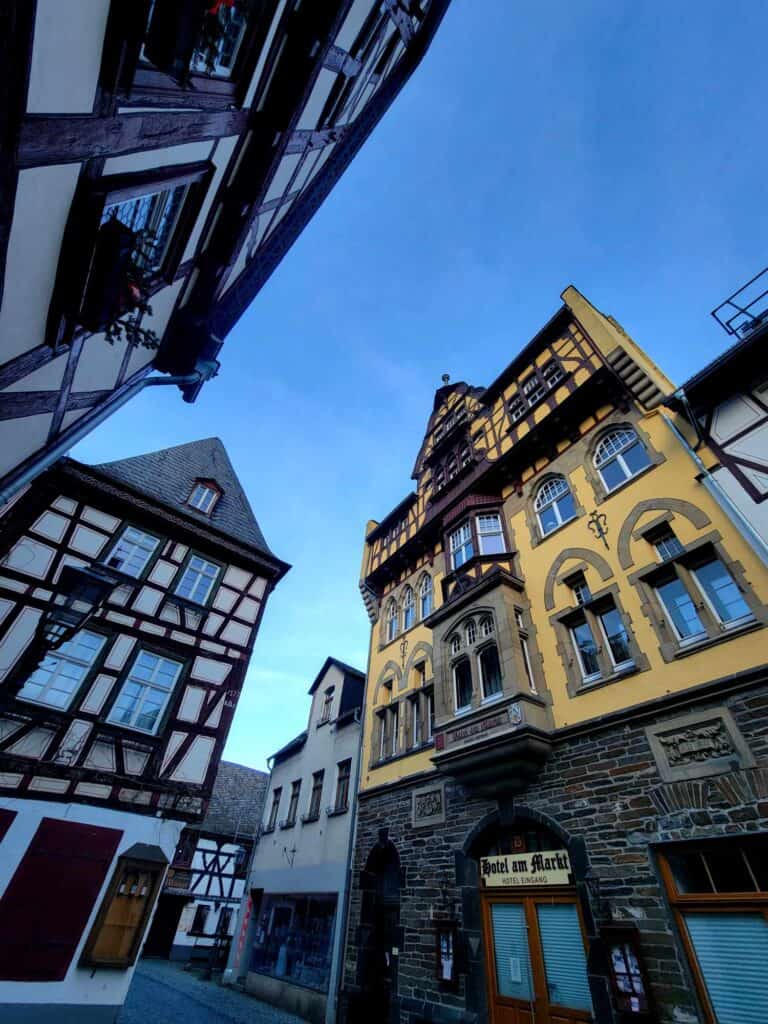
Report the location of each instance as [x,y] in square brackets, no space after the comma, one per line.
[102,987]
[66,56]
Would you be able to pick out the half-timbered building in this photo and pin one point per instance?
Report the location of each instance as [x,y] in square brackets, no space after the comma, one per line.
[130,598]
[205,884]
[157,160]
[290,938]
[727,404]
[563,811]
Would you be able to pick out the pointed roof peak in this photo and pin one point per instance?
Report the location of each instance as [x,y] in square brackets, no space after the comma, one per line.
[169,474]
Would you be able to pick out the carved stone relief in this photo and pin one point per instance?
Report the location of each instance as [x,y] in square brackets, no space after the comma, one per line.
[697,745]
[428,806]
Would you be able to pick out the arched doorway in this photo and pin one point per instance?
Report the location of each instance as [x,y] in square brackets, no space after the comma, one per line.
[534,935]
[380,933]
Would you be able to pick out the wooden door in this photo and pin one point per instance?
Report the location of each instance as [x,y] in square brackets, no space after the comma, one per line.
[535,960]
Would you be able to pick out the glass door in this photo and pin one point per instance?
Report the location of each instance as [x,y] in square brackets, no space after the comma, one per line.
[536,964]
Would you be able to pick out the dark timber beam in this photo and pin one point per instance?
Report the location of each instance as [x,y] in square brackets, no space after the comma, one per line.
[63,138]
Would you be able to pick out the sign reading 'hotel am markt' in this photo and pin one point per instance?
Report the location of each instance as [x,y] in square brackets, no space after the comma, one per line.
[547,867]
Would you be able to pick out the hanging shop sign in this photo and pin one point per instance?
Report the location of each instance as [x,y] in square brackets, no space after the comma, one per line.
[511,870]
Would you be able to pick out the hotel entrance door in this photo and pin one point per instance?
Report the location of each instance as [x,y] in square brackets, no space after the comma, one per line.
[535,960]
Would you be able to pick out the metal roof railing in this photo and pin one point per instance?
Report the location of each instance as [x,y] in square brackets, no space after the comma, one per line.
[747,308]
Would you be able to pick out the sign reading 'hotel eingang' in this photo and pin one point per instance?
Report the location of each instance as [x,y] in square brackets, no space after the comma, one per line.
[546,867]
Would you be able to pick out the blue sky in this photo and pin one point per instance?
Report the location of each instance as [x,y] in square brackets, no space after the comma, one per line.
[618,147]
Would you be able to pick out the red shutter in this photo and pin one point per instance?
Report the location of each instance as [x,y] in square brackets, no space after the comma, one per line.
[6,817]
[50,897]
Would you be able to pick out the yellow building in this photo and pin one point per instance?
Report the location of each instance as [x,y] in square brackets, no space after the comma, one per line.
[566,710]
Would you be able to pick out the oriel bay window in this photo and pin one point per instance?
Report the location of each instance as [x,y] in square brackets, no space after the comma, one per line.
[462,684]
[146,691]
[61,672]
[718,892]
[483,534]
[696,596]
[490,671]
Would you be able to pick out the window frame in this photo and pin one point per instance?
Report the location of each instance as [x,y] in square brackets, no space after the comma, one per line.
[462,660]
[315,797]
[426,589]
[539,386]
[125,678]
[173,591]
[92,669]
[409,605]
[343,786]
[151,558]
[391,621]
[618,457]
[487,698]
[327,705]
[540,506]
[78,291]
[212,489]
[293,805]
[274,810]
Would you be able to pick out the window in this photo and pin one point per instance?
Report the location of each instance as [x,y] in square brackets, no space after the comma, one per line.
[455,643]
[391,620]
[552,373]
[420,673]
[382,734]
[199,921]
[486,627]
[586,651]
[316,796]
[517,408]
[439,478]
[490,671]
[462,682]
[61,672]
[667,545]
[151,218]
[471,631]
[225,921]
[425,597]
[580,588]
[305,925]
[132,552]
[274,810]
[430,715]
[293,804]
[554,504]
[465,455]
[699,597]
[394,728]
[615,635]
[619,456]
[325,714]
[522,633]
[409,609]
[197,580]
[718,892]
[118,932]
[452,467]
[415,721]
[146,692]
[461,547]
[342,785]
[490,535]
[203,497]
[533,389]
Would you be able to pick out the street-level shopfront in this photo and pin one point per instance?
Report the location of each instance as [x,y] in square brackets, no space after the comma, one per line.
[595,895]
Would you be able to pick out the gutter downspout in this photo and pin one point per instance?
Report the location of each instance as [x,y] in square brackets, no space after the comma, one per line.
[27,472]
[730,508]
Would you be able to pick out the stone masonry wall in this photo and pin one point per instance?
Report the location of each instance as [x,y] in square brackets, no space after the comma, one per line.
[604,789]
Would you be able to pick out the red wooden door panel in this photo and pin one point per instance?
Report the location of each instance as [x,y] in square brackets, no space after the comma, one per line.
[50,897]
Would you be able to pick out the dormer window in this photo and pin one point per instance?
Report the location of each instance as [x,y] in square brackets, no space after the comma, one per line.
[203,497]
[325,715]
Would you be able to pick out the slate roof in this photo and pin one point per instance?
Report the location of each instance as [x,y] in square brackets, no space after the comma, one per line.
[236,802]
[169,474]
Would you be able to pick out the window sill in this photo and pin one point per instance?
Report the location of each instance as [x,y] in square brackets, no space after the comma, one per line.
[307,819]
[285,825]
[493,699]
[335,812]
[411,752]
[614,677]
[268,830]
[458,712]
[712,641]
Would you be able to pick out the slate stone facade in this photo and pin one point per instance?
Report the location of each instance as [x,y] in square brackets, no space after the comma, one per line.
[603,793]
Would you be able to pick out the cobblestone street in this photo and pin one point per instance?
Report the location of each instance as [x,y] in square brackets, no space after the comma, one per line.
[162,993]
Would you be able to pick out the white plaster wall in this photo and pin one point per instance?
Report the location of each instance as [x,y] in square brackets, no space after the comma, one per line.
[66,55]
[757,514]
[319,863]
[43,198]
[82,986]
[221,158]
[189,152]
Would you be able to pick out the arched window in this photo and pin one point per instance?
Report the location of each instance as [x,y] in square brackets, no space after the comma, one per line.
[619,456]
[455,643]
[425,596]
[391,620]
[554,504]
[409,608]
[486,626]
[471,631]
